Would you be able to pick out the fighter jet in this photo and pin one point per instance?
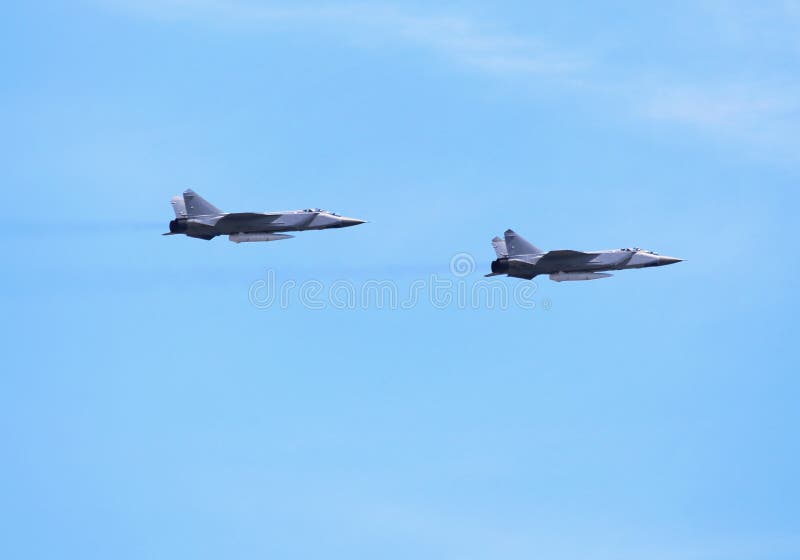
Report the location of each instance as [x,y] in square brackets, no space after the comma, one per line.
[518,258]
[196,217]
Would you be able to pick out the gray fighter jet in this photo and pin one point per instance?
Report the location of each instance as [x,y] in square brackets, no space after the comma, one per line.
[518,258]
[196,217]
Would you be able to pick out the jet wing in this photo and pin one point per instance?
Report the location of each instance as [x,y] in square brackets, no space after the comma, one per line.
[553,257]
[567,253]
[246,221]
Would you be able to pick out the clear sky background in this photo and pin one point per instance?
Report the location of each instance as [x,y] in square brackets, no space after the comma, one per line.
[149,410]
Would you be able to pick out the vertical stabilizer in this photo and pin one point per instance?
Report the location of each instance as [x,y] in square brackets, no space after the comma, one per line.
[499,248]
[517,245]
[178,206]
[196,205]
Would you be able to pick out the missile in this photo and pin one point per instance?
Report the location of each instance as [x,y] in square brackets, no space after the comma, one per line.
[254,237]
[577,276]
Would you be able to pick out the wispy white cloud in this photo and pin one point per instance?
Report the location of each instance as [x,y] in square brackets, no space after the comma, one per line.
[771,24]
[470,44]
[708,108]
[766,117]
[759,113]
[458,38]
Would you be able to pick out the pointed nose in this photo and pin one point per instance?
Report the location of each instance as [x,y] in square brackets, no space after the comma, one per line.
[347,222]
[667,260]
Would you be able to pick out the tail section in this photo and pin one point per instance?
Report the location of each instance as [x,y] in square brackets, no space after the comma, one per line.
[517,245]
[196,205]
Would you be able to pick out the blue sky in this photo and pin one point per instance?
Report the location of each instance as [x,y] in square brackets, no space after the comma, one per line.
[148,409]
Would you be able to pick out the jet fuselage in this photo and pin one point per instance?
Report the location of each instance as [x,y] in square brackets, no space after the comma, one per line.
[195,217]
[519,259]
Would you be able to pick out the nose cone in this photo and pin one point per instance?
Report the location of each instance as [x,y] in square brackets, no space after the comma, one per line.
[347,222]
[667,260]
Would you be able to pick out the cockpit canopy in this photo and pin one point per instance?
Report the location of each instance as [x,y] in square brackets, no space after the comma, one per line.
[321,211]
[638,250]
